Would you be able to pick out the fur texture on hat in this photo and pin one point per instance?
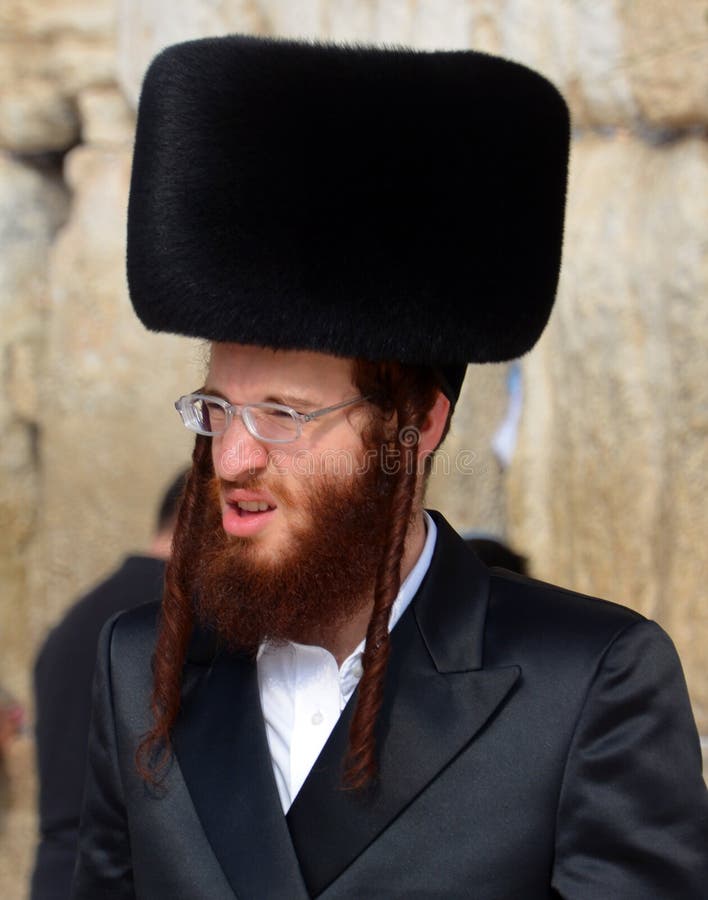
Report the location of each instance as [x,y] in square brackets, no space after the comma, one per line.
[364,202]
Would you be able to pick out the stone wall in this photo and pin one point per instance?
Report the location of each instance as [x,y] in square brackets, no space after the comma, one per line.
[33,205]
[606,488]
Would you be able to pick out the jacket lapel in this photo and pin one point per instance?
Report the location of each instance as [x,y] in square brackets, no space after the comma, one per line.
[437,698]
[223,753]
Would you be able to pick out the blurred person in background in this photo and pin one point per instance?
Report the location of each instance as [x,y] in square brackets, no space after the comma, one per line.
[63,677]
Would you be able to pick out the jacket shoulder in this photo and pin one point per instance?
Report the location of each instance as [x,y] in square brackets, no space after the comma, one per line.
[129,637]
[543,618]
[542,598]
[136,623]
[124,679]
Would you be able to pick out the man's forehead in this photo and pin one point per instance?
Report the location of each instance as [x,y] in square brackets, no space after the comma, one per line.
[300,373]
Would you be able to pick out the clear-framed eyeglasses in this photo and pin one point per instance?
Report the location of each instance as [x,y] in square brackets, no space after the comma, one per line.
[271,422]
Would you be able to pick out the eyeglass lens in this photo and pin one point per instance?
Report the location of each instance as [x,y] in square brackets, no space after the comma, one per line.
[206,416]
[271,424]
[264,422]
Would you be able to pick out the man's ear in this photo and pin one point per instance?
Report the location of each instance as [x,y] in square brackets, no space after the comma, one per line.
[433,426]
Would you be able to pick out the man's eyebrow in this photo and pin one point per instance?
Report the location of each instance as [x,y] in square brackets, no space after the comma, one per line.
[297,403]
[212,392]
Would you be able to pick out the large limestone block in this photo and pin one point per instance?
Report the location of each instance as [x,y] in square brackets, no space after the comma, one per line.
[113,438]
[49,51]
[666,57]
[106,118]
[608,492]
[32,207]
[37,118]
[615,61]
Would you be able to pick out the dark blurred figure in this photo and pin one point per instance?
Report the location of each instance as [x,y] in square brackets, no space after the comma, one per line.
[495,553]
[62,680]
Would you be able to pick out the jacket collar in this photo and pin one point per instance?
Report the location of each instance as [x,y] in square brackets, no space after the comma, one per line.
[451,605]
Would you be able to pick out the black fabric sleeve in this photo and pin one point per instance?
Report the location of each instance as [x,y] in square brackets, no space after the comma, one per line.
[633,812]
[62,681]
[103,866]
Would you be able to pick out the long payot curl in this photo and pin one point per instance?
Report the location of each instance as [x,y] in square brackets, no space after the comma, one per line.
[176,621]
[406,395]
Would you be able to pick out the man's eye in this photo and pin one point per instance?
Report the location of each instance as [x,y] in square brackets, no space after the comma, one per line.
[215,412]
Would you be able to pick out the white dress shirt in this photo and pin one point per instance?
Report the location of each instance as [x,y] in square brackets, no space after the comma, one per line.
[303,691]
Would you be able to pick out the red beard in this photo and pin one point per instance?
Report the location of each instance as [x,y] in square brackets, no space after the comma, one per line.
[325,577]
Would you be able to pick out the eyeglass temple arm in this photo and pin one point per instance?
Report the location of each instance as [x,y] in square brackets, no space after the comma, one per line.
[308,417]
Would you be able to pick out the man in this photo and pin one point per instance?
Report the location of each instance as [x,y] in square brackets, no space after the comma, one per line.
[338,699]
[62,680]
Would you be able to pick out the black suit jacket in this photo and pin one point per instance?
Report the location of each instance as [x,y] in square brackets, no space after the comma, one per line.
[63,676]
[534,744]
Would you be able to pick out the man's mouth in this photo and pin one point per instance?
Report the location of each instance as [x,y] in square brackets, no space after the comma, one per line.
[253,505]
[246,516]
[248,507]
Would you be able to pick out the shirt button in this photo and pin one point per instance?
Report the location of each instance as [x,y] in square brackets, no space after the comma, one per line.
[357,669]
[317,718]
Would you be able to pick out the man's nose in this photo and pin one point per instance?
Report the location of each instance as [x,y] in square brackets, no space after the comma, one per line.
[237,453]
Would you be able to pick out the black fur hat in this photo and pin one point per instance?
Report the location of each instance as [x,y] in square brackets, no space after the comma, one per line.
[365,202]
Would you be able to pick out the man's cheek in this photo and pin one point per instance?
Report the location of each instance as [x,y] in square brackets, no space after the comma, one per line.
[278,462]
[303,464]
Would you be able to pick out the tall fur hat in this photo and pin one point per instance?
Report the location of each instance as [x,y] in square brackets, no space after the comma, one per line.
[364,202]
